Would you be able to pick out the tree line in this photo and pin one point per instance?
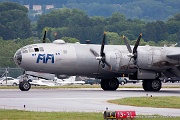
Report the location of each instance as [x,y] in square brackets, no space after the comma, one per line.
[14,21]
[139,9]
[75,25]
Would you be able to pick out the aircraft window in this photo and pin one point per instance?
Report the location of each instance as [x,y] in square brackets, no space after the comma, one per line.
[25,51]
[24,48]
[36,49]
[18,52]
[31,50]
[65,51]
[41,49]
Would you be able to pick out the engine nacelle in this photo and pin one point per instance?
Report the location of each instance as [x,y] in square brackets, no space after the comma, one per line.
[144,57]
[152,58]
[113,58]
[119,61]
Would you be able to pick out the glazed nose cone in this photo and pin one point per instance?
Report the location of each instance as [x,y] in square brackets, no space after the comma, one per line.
[18,57]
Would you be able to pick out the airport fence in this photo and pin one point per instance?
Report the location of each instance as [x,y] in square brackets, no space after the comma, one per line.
[11,72]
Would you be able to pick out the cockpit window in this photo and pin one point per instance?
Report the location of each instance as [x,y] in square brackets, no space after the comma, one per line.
[41,49]
[31,50]
[36,49]
[25,51]
[18,52]
[24,48]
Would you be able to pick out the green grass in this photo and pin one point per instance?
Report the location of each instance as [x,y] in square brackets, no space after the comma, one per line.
[29,115]
[157,102]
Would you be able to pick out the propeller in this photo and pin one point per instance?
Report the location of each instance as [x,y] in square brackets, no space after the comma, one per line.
[132,54]
[128,46]
[102,56]
[44,38]
[136,46]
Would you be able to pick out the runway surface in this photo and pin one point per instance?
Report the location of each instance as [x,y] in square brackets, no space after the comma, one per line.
[81,100]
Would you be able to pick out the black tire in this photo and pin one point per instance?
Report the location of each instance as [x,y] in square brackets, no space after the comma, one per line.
[24,86]
[104,84]
[145,85]
[152,85]
[155,85]
[113,84]
[109,84]
[21,86]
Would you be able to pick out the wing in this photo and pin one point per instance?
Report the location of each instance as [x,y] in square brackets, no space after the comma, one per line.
[174,55]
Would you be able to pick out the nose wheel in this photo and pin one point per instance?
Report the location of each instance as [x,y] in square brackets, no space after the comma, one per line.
[24,86]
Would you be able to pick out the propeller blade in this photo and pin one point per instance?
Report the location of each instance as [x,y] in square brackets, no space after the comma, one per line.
[102,45]
[134,54]
[102,56]
[127,44]
[98,66]
[108,65]
[44,38]
[137,44]
[94,53]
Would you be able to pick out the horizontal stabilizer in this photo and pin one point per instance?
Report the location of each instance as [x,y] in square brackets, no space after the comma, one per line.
[174,55]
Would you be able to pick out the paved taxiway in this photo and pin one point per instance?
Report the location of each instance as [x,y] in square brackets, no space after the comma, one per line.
[86,100]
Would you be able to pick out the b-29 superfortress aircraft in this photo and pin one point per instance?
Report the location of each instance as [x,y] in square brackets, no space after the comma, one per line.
[105,62]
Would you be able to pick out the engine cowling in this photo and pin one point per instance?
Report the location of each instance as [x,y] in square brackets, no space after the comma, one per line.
[113,58]
[120,62]
[151,58]
[144,57]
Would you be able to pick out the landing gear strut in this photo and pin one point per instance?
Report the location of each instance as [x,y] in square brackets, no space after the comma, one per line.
[109,84]
[152,85]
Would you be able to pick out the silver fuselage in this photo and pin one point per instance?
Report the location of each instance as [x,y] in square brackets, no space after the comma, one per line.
[76,59]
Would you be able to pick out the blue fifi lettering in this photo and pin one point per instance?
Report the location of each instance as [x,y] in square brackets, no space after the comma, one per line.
[41,57]
[45,58]
[50,57]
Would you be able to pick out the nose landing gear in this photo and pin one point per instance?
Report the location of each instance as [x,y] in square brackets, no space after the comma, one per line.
[24,85]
